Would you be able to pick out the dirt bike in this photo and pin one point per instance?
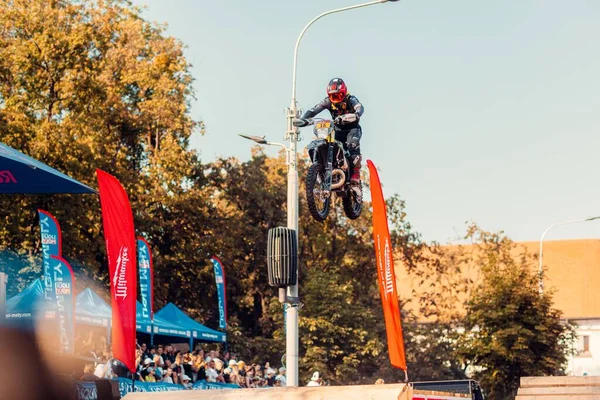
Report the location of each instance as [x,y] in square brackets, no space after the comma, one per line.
[329,173]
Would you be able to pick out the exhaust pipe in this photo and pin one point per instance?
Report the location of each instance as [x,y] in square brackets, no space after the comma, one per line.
[341,181]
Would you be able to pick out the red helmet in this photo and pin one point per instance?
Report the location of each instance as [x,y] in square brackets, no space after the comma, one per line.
[337,90]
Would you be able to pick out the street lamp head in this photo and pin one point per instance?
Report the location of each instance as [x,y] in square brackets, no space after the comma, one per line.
[592,218]
[386,1]
[257,139]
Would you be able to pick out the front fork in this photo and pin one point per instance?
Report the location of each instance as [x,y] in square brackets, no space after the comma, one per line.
[328,171]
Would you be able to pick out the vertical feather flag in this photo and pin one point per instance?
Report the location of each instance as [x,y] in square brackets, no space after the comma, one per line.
[117,220]
[51,238]
[64,294]
[385,272]
[146,272]
[221,291]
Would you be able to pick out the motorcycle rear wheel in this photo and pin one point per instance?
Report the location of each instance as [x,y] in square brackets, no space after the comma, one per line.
[315,180]
[352,202]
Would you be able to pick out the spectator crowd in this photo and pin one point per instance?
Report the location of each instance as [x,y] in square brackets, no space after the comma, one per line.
[166,364]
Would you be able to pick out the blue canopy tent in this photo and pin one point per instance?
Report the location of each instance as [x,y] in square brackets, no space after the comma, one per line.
[26,303]
[90,309]
[93,310]
[22,174]
[25,308]
[174,315]
[158,326]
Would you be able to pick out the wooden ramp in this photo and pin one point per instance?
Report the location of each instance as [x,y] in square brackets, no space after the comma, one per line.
[559,387]
[361,392]
[370,392]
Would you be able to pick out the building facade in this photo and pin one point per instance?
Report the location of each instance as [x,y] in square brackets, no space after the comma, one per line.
[572,272]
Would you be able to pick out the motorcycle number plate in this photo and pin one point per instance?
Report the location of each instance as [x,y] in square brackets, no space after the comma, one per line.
[323,125]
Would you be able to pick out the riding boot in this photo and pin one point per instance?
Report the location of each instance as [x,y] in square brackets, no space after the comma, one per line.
[356,165]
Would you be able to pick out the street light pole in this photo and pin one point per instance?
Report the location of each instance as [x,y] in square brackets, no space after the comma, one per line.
[291,322]
[541,266]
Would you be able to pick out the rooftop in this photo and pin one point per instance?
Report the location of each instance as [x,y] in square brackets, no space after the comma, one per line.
[573,271]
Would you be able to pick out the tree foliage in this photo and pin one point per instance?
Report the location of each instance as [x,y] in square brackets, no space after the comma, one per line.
[86,85]
[511,330]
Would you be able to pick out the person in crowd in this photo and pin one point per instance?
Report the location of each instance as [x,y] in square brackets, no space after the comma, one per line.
[188,365]
[200,366]
[242,373]
[258,371]
[211,373]
[234,376]
[158,360]
[226,357]
[242,366]
[218,365]
[170,354]
[219,368]
[119,369]
[138,358]
[259,382]
[176,367]
[192,368]
[379,381]
[150,375]
[270,376]
[315,380]
[88,373]
[159,353]
[186,381]
[281,377]
[103,368]
[277,381]
[142,374]
[227,375]
[249,378]
[141,363]
[148,363]
[167,375]
[158,374]
[143,348]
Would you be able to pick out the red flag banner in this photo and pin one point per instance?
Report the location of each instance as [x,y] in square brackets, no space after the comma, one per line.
[385,272]
[119,235]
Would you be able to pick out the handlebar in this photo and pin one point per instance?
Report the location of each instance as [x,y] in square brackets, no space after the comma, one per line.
[299,122]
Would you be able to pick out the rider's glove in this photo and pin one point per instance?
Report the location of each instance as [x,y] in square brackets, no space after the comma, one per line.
[346,119]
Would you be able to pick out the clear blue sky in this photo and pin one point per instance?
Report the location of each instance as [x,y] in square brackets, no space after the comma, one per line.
[474,110]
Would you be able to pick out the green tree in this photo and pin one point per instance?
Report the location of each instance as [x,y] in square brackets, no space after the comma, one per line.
[431,351]
[86,85]
[511,330]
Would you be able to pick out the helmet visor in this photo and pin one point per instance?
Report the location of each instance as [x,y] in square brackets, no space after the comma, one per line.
[336,97]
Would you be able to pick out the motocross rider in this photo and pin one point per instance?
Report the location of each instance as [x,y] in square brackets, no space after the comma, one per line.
[346,111]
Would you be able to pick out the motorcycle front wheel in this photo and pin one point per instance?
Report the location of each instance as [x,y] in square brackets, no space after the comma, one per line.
[318,203]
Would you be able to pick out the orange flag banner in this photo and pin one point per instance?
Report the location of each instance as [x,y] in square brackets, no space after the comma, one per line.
[385,272]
